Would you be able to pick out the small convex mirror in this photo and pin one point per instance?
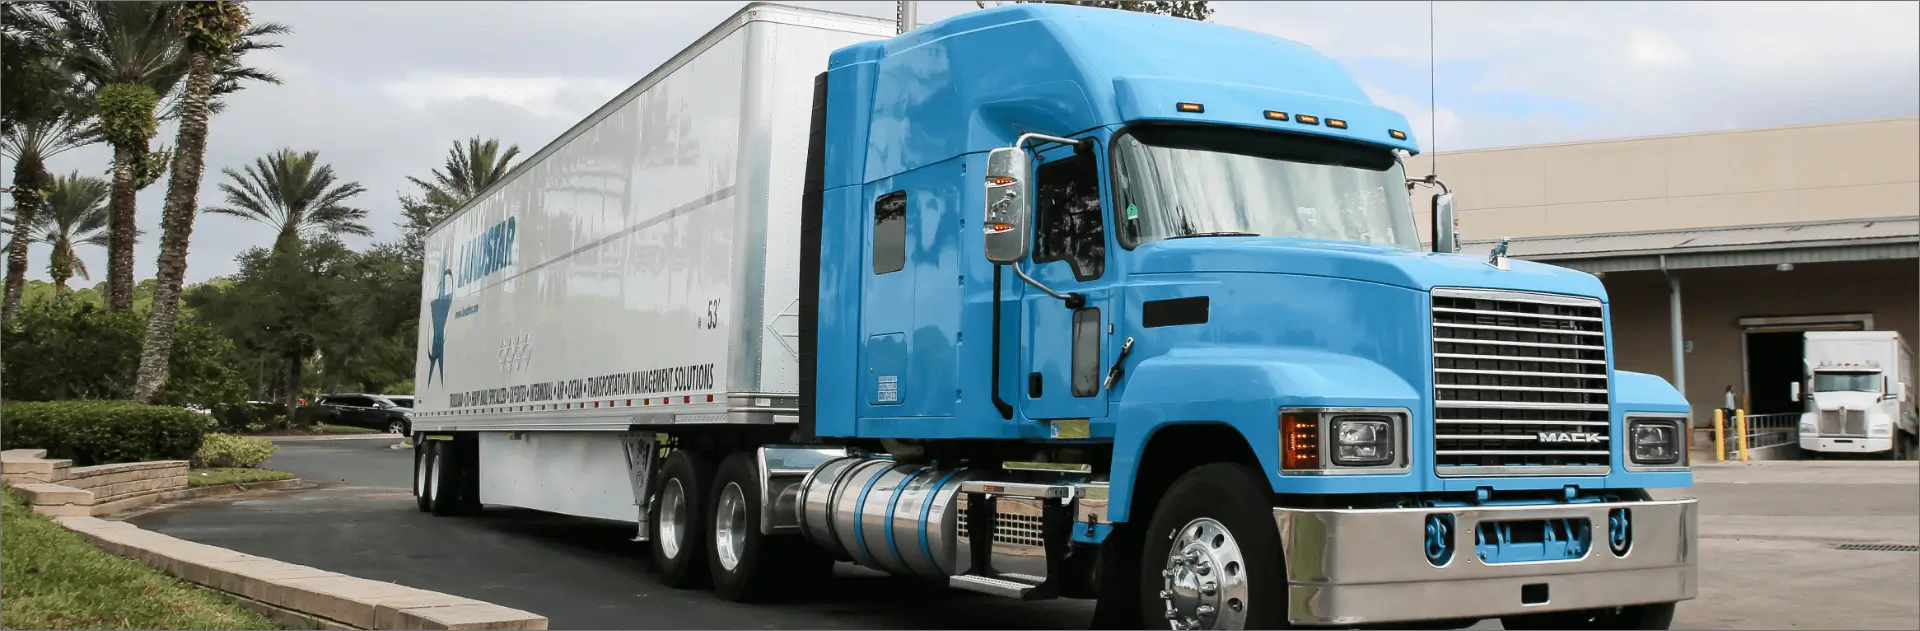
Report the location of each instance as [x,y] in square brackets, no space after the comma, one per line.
[1007,212]
[1793,391]
[1446,224]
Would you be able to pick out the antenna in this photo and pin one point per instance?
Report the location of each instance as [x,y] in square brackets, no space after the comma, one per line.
[1433,102]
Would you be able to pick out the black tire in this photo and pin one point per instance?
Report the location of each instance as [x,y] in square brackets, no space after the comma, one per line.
[689,475]
[1236,498]
[760,564]
[446,469]
[1655,616]
[422,473]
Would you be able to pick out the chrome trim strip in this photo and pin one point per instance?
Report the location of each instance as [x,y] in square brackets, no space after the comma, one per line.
[1551,360]
[1450,340]
[1523,405]
[1515,313]
[1509,452]
[1499,437]
[1515,296]
[1524,471]
[1452,386]
[1522,373]
[1521,329]
[1466,421]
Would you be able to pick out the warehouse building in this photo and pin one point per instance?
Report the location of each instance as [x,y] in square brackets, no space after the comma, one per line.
[1717,249]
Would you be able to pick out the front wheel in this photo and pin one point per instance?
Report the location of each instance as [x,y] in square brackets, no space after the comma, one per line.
[1212,555]
[1655,616]
[397,427]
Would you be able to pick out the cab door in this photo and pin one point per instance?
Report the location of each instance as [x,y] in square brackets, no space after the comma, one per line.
[1065,347]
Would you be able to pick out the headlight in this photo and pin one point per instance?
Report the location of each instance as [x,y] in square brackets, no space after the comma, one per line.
[1362,442]
[1333,441]
[1808,428]
[1656,442]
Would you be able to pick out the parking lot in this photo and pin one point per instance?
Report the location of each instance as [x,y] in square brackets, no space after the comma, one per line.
[1771,537]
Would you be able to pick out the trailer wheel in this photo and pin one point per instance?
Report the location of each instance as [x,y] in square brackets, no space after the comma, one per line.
[680,520]
[1212,555]
[746,565]
[445,493]
[1655,616]
[422,474]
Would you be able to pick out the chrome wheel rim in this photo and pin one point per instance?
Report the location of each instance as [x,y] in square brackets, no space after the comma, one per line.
[673,517]
[420,476]
[439,470]
[1204,583]
[730,526]
[396,428]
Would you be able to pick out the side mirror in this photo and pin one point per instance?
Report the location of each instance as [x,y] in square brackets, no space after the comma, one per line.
[1903,393]
[1446,224]
[1793,391]
[1008,233]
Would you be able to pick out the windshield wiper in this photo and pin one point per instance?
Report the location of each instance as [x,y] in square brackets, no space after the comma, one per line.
[1214,234]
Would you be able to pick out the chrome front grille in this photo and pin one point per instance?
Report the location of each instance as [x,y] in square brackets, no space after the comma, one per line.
[1843,422]
[1520,384]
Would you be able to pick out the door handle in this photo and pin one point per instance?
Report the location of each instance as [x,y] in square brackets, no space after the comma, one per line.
[1119,365]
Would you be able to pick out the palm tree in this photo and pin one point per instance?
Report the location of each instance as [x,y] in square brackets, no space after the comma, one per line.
[214,33]
[128,58]
[39,119]
[295,194]
[470,169]
[131,61]
[76,214]
[29,144]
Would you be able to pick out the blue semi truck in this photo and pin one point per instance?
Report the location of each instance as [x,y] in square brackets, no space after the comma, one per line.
[1044,302]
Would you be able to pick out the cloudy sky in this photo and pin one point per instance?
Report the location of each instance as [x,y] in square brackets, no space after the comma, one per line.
[382,89]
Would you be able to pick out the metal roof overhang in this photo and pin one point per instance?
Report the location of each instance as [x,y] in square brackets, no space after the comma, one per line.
[1814,242]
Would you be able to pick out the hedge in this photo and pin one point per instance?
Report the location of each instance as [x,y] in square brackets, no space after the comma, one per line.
[240,418]
[227,451]
[103,432]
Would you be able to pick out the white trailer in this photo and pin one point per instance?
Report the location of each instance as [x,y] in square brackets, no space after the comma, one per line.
[1858,394]
[667,225]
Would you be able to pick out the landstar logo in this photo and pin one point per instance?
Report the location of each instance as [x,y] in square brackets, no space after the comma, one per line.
[480,257]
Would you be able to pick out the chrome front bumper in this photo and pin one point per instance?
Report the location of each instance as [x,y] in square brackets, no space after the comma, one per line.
[1366,566]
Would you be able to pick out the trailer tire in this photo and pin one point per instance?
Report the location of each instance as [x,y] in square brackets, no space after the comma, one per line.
[1221,514]
[680,520]
[1654,616]
[446,493]
[422,474]
[748,566]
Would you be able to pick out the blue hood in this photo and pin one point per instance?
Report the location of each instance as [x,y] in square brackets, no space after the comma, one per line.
[1340,259]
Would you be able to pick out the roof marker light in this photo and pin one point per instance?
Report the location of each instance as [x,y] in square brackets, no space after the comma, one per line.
[1276,116]
[1336,123]
[1306,119]
[1397,134]
[1193,108]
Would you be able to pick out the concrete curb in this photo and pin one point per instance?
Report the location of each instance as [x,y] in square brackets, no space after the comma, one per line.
[298,596]
[302,439]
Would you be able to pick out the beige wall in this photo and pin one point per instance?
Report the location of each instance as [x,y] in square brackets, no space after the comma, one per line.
[1852,170]
[1713,301]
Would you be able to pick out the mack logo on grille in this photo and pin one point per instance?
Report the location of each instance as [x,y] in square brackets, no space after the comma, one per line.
[1569,437]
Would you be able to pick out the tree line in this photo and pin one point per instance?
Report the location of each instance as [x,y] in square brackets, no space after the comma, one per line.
[303,306]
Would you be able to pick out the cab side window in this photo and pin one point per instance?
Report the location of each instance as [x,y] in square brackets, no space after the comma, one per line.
[890,233]
[1067,203]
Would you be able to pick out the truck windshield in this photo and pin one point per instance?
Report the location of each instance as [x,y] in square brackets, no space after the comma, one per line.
[1846,382]
[1173,182]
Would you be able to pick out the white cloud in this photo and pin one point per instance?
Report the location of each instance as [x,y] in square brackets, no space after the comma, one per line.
[382,89]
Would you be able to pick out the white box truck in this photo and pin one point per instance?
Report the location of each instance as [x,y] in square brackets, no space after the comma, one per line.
[1857,395]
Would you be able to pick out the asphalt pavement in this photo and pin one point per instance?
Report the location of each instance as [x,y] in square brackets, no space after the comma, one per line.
[1769,541]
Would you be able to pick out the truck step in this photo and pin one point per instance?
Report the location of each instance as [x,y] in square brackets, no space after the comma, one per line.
[991,585]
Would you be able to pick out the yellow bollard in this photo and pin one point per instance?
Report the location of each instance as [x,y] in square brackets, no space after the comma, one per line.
[1719,435]
[1740,424]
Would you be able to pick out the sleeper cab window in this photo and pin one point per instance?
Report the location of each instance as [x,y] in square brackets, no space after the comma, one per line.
[890,232]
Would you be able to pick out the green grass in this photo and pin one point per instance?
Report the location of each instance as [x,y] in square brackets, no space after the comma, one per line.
[51,578]
[219,476]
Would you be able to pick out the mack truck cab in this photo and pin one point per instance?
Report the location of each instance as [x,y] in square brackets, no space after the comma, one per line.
[1099,304]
